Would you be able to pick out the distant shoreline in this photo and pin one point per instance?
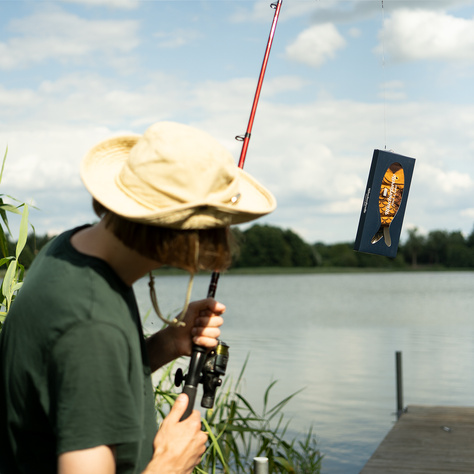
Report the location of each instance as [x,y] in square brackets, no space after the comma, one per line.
[307,270]
[316,270]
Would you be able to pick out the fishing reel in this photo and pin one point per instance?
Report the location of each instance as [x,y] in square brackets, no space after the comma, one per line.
[206,368]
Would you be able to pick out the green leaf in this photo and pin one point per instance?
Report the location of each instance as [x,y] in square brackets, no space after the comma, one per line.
[267,393]
[3,163]
[285,464]
[214,442]
[3,215]
[20,245]
[273,411]
[8,283]
[3,243]
[5,260]
[17,286]
[247,404]
[9,207]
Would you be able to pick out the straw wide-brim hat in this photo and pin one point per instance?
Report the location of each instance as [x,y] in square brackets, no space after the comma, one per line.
[173,176]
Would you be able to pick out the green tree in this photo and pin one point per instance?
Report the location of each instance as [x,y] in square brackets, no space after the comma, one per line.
[458,253]
[336,255]
[343,255]
[436,246]
[302,254]
[470,239]
[264,246]
[413,246]
[365,260]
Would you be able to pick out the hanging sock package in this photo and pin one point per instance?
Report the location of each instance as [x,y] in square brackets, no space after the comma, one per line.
[384,204]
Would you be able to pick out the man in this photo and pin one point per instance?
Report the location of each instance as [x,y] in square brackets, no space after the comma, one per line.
[75,389]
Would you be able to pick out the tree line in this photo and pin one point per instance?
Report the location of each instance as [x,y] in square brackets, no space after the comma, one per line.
[273,247]
[270,246]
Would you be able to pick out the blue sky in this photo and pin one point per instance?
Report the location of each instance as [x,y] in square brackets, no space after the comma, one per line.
[344,78]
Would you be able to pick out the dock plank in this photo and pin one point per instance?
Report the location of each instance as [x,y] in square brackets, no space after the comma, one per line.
[427,439]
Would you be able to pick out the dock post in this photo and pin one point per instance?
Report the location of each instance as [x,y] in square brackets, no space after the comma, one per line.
[260,465]
[398,362]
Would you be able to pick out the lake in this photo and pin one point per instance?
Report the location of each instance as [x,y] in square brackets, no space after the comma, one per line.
[335,336]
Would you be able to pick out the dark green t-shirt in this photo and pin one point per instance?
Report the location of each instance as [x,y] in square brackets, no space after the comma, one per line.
[74,373]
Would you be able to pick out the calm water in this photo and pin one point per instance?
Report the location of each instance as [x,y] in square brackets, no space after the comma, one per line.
[335,336]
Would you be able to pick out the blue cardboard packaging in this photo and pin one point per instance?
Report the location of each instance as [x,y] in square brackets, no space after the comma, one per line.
[384,204]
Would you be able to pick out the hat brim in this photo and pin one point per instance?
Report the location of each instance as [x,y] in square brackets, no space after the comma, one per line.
[103,163]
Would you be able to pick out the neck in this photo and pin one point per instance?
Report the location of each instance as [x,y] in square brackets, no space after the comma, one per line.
[98,241]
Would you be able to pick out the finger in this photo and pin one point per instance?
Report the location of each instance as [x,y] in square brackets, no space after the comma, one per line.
[212,305]
[203,322]
[206,342]
[178,409]
[203,439]
[206,336]
[209,331]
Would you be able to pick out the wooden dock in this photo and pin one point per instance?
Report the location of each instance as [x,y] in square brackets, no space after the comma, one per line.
[427,439]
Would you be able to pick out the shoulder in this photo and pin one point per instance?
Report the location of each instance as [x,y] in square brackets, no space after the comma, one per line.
[65,288]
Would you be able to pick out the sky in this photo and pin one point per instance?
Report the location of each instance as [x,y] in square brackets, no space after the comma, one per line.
[343,78]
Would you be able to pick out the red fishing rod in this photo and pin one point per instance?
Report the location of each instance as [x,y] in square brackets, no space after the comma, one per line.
[207,367]
[246,138]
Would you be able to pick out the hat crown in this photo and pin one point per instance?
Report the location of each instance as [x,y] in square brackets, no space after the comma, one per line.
[172,165]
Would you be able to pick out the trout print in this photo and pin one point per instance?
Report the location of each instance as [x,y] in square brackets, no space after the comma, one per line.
[390,197]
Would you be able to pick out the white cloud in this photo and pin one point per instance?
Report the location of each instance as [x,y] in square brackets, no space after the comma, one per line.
[260,11]
[411,35]
[355,33]
[281,84]
[335,11]
[446,182]
[79,99]
[469,213]
[314,156]
[313,150]
[316,45]
[12,101]
[53,161]
[392,90]
[63,37]
[125,4]
[177,38]
[350,206]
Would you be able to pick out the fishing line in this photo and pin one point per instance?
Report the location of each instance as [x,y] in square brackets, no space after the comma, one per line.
[384,80]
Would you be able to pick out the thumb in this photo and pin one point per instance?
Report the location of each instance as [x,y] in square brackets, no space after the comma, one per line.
[179,407]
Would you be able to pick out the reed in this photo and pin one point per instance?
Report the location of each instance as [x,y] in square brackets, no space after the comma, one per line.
[15,271]
[238,432]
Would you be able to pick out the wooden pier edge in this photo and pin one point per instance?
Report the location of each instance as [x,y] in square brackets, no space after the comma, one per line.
[427,439]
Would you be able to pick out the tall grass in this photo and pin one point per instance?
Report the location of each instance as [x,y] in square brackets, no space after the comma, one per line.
[238,432]
[15,271]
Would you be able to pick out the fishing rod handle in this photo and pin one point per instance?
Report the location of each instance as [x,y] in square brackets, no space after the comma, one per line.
[198,358]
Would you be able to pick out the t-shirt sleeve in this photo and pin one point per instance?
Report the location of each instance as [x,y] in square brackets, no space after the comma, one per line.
[91,394]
